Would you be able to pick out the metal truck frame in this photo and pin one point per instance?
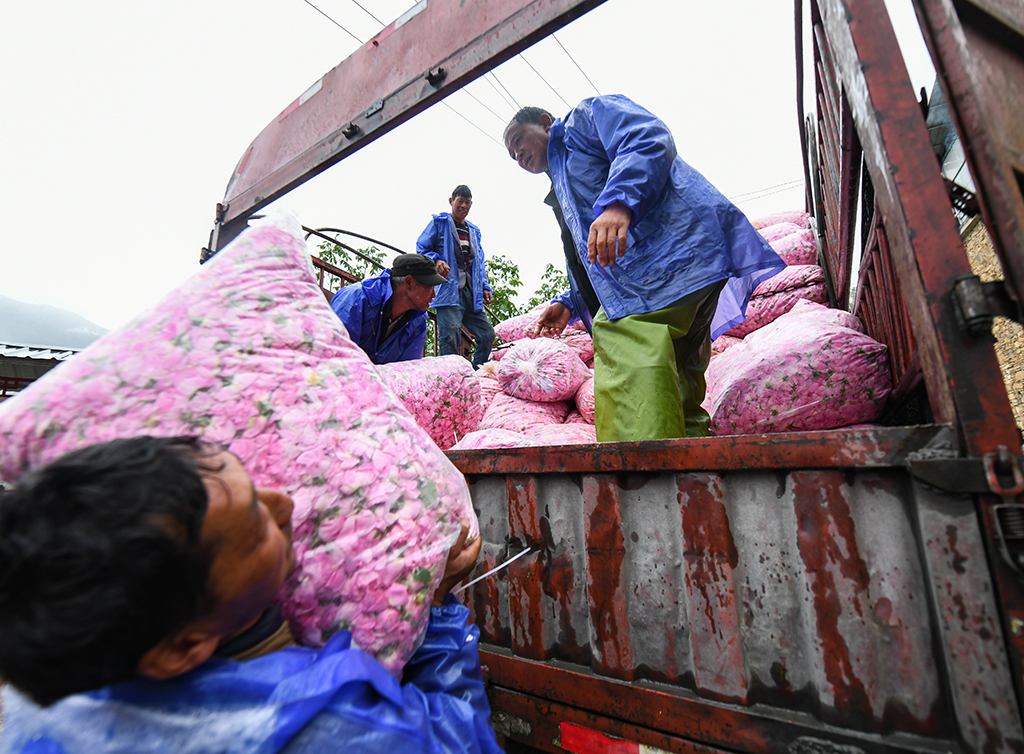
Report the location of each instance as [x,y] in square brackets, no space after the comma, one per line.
[855,590]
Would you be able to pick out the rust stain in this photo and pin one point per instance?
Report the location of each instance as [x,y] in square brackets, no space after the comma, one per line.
[605,557]
[823,515]
[559,584]
[712,557]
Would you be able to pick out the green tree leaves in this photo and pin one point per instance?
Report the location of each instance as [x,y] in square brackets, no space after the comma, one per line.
[553,282]
[503,275]
[346,260]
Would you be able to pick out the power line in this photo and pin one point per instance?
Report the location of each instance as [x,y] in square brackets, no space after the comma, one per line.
[474,125]
[545,81]
[369,14]
[509,100]
[485,107]
[495,76]
[769,193]
[444,103]
[333,21]
[787,184]
[576,64]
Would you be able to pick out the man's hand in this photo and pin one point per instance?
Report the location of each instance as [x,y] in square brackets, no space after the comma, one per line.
[608,234]
[552,321]
[461,559]
[488,297]
[442,267]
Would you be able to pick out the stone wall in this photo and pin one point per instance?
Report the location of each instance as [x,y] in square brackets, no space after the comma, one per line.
[1009,335]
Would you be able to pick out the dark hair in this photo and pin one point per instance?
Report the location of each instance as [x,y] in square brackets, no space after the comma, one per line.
[462,190]
[100,560]
[527,116]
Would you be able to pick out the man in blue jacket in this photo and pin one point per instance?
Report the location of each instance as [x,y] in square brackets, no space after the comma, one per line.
[454,243]
[659,262]
[137,582]
[386,315]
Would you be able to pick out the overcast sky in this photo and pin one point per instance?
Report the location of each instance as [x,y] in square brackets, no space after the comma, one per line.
[122,122]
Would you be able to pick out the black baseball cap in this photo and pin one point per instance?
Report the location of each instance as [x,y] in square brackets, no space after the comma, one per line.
[421,267]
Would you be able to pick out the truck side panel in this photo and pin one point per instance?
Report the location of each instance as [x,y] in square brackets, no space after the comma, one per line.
[855,600]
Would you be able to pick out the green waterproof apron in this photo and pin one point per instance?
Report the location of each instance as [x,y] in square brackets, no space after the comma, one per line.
[649,370]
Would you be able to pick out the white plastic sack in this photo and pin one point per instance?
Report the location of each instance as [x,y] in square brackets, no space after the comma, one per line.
[797,217]
[519,327]
[563,434]
[493,438]
[779,230]
[797,248]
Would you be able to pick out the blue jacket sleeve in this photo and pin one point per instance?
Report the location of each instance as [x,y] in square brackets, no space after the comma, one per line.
[483,263]
[348,304]
[640,149]
[443,706]
[565,299]
[429,242]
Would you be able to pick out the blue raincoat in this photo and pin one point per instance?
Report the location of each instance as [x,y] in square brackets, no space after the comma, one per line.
[684,234]
[294,701]
[361,308]
[439,240]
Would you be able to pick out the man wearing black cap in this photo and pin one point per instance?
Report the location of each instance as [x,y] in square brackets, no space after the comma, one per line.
[386,315]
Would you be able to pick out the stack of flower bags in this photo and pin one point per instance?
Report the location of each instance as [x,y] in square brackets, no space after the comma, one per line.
[791,236]
[537,381]
[812,368]
[441,392]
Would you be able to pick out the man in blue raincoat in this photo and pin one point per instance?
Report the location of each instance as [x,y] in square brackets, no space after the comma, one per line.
[659,262]
[454,243]
[137,587]
[386,315]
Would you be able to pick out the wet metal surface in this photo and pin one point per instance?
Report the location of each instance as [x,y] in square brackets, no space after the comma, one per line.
[836,596]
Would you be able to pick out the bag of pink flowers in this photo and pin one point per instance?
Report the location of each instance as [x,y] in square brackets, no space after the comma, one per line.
[441,392]
[542,369]
[247,354]
[810,369]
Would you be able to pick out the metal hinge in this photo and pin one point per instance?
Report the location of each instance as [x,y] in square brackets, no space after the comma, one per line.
[436,75]
[999,473]
[978,303]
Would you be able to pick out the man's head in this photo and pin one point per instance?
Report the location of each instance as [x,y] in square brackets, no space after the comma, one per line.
[461,201]
[134,557]
[526,138]
[413,277]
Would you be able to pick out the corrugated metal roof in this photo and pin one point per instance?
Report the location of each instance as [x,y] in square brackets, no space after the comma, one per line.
[15,351]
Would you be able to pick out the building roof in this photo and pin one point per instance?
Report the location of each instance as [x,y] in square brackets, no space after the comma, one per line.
[19,351]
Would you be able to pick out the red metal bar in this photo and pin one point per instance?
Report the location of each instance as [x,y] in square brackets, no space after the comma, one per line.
[526,574]
[661,712]
[849,164]
[832,448]
[434,49]
[558,728]
[978,50]
[962,374]
[12,385]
